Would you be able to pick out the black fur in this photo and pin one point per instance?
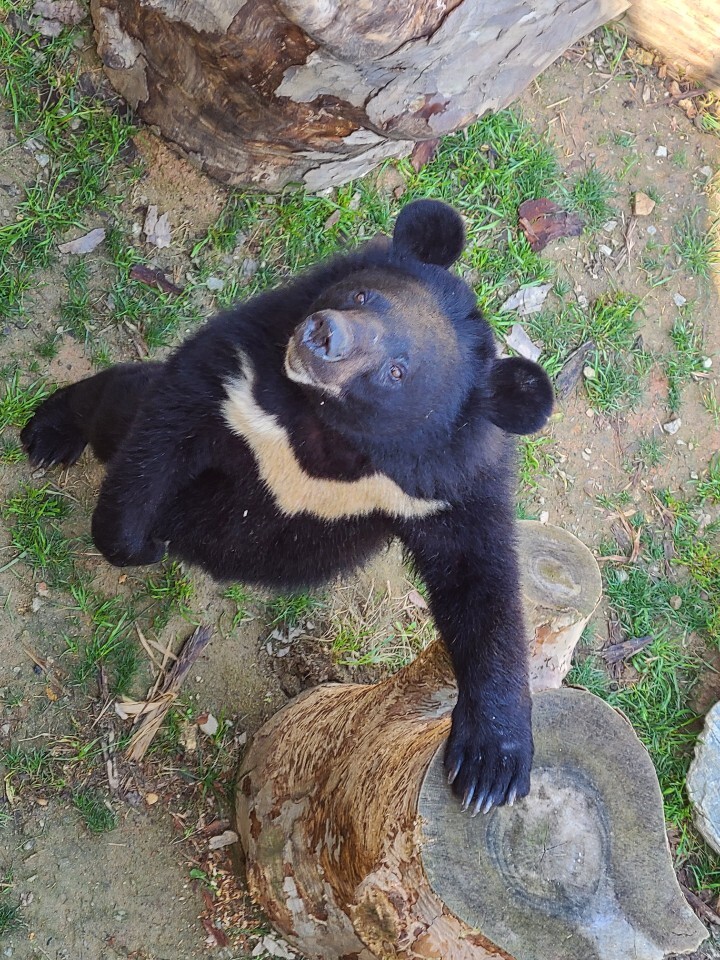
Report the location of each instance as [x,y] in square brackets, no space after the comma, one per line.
[411,388]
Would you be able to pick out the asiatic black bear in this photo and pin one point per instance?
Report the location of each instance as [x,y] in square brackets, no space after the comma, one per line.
[295,434]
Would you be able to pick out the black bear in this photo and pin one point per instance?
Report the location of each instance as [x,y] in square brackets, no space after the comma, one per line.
[295,434]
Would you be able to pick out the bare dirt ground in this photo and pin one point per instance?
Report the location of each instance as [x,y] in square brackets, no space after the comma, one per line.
[141,890]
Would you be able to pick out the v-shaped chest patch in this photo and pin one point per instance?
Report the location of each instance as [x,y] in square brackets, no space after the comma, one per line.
[293,489]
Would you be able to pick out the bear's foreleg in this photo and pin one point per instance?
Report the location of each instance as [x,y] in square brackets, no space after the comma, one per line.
[468,561]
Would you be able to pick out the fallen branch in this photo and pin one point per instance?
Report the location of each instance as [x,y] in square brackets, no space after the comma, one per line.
[149,714]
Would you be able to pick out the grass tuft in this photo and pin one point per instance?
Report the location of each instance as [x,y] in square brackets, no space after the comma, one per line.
[95,811]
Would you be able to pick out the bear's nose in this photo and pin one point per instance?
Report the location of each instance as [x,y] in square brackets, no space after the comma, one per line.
[327,335]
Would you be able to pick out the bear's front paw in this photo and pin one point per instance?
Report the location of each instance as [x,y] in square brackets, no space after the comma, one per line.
[488,758]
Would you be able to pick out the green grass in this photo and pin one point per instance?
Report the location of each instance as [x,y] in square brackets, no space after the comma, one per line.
[10,918]
[83,140]
[292,609]
[34,516]
[618,363]
[243,600]
[678,606]
[36,768]
[590,196]
[535,459]
[107,637]
[685,361]
[712,404]
[697,248]
[172,591]
[649,452]
[97,816]
[19,401]
[75,311]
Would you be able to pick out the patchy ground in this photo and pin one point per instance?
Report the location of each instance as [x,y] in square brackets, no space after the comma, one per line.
[102,858]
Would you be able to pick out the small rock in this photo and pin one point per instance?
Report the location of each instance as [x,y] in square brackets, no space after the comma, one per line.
[36,604]
[622,576]
[693,475]
[672,426]
[605,250]
[643,205]
[544,516]
[214,283]
[42,159]
[223,840]
[589,373]
[651,230]
[661,151]
[249,267]
[679,300]
[703,784]
[707,362]
[151,799]
[707,172]
[609,226]
[676,602]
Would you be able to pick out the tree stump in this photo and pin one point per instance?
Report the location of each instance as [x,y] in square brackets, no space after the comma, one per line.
[263,93]
[686,32]
[355,849]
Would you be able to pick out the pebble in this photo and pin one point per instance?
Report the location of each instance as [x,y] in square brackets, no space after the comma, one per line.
[651,230]
[676,602]
[609,226]
[706,172]
[707,362]
[672,426]
[590,413]
[661,151]
[589,373]
[605,250]
[544,516]
[214,283]
[679,300]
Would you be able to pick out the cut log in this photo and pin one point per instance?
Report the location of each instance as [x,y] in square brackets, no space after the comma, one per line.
[561,587]
[685,32]
[336,808]
[263,93]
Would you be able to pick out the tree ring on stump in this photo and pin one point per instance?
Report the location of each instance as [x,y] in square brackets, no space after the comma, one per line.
[578,870]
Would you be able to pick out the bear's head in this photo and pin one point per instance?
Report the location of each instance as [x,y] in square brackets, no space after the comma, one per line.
[397,345]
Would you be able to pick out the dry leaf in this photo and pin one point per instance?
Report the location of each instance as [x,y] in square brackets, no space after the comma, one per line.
[423,152]
[542,221]
[522,344]
[527,300]
[84,244]
[208,724]
[417,600]
[157,229]
[51,694]
[151,798]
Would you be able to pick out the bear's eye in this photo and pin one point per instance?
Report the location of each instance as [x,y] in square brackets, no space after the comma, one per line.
[360,297]
[397,372]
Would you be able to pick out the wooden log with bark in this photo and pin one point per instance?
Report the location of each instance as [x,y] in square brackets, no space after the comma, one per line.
[357,850]
[685,32]
[262,93]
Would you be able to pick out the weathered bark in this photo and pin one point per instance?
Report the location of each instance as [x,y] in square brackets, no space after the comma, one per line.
[561,587]
[328,793]
[267,92]
[686,32]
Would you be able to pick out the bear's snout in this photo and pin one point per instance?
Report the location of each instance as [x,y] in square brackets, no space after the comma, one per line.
[327,335]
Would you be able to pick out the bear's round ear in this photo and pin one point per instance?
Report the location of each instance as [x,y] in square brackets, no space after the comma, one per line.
[521,395]
[430,231]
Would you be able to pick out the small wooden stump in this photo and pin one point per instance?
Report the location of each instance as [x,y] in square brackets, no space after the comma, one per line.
[357,850]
